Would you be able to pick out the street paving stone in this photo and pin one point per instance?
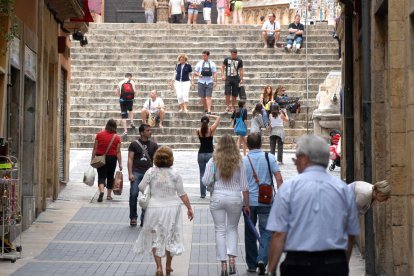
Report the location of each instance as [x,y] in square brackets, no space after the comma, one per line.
[99,241]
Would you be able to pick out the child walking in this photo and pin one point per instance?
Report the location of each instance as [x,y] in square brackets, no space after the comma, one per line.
[239,118]
[256,123]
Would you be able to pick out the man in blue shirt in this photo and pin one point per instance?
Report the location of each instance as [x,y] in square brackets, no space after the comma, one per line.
[256,164]
[313,217]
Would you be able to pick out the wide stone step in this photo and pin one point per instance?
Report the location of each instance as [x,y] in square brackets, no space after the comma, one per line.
[180,122]
[171,106]
[161,26]
[170,114]
[170,68]
[204,42]
[169,98]
[315,54]
[108,84]
[247,75]
[178,47]
[191,138]
[145,63]
[82,90]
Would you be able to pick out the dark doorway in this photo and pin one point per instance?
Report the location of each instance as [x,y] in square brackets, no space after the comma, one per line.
[131,11]
[13,112]
[28,153]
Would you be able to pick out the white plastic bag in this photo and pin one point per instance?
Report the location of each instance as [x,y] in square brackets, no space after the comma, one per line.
[89,176]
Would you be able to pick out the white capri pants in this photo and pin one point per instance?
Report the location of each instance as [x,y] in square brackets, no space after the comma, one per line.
[226,208]
[182,88]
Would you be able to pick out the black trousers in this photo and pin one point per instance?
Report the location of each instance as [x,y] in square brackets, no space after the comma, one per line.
[322,263]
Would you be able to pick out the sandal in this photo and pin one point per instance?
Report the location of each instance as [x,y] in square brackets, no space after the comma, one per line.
[124,133]
[168,271]
[132,126]
[109,198]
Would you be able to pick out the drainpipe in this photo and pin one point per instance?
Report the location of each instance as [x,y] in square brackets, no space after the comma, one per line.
[349,92]
[366,129]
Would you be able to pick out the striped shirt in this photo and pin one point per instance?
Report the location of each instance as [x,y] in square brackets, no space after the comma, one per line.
[237,183]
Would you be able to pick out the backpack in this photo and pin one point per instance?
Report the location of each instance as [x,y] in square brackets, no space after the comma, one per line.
[127,91]
[206,71]
[240,127]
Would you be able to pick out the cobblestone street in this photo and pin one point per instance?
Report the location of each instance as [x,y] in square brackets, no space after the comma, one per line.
[78,236]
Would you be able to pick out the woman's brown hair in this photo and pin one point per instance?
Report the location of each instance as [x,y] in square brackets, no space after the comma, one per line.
[278,89]
[111,126]
[265,95]
[163,157]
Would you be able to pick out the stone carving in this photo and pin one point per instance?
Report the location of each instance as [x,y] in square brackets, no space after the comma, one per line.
[327,117]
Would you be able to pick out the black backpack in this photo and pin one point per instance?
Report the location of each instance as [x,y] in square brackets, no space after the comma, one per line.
[206,71]
[127,91]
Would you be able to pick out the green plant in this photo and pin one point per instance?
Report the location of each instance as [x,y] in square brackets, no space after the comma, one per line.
[6,7]
[7,10]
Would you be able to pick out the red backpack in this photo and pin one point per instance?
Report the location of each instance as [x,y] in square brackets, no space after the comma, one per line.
[127,91]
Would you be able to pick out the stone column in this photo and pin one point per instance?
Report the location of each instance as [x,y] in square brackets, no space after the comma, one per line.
[162,11]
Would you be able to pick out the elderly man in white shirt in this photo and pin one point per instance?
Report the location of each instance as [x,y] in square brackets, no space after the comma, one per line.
[271,31]
[155,106]
[313,217]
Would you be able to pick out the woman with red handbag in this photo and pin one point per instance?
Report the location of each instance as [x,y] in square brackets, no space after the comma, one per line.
[107,143]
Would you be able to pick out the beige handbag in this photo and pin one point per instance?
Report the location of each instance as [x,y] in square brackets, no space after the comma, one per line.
[118,183]
[99,161]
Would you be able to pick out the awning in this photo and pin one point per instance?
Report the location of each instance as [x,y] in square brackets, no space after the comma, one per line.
[87,17]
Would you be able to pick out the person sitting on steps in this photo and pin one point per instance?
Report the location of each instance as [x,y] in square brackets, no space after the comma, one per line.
[295,36]
[155,106]
[271,31]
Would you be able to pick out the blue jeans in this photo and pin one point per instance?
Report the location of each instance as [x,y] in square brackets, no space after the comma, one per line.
[202,162]
[133,197]
[254,255]
[298,40]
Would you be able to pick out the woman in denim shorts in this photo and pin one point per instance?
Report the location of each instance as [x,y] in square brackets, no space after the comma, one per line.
[193,11]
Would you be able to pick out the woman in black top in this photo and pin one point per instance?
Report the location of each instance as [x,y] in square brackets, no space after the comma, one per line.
[182,82]
[205,152]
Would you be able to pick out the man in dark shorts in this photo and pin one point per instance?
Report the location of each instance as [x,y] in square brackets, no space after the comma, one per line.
[206,72]
[126,90]
[140,156]
[232,73]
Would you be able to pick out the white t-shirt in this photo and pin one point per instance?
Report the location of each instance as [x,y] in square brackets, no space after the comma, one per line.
[275,122]
[271,26]
[176,6]
[154,104]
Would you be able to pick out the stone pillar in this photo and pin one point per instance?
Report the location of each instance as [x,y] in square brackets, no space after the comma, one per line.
[162,11]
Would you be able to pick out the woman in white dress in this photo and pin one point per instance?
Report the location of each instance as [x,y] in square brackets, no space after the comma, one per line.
[162,233]
[366,194]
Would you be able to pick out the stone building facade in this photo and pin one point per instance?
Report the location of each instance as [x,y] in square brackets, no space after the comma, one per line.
[34,97]
[378,41]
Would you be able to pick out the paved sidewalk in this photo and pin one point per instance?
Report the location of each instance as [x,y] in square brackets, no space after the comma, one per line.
[78,236]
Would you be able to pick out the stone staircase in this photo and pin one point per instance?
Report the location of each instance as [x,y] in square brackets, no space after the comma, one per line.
[149,52]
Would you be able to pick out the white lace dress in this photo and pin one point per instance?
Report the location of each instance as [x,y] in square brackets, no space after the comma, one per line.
[163,225]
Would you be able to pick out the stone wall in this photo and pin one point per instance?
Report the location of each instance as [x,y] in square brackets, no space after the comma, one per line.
[392,90]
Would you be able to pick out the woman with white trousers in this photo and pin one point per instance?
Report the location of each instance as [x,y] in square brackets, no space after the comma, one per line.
[182,84]
[231,194]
